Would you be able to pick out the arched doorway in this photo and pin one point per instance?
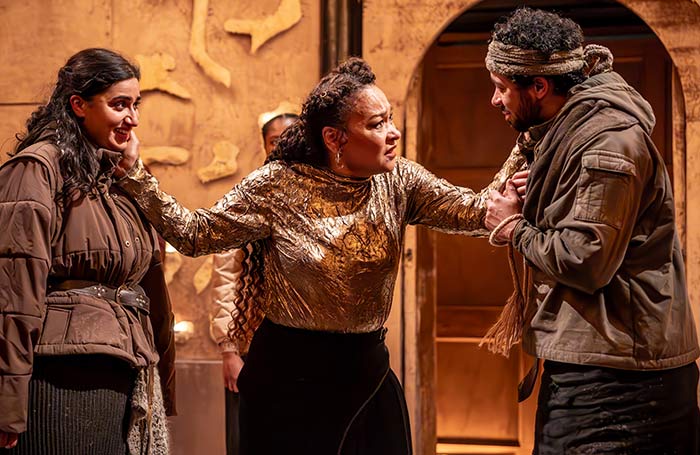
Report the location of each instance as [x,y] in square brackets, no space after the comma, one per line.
[449,306]
[462,138]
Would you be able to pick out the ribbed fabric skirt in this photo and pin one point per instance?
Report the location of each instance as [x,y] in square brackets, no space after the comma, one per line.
[78,405]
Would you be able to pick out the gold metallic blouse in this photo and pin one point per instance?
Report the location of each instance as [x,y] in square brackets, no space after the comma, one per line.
[331,244]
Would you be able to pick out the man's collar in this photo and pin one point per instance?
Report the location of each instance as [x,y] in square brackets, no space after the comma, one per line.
[529,139]
[537,132]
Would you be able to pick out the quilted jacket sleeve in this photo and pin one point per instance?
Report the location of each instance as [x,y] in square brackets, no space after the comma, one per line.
[26,215]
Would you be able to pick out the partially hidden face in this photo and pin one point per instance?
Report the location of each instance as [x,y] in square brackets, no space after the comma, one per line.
[109,116]
[371,135]
[519,106]
[274,131]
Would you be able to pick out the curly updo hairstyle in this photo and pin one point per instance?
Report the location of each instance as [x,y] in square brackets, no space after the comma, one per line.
[328,104]
[87,73]
[546,32]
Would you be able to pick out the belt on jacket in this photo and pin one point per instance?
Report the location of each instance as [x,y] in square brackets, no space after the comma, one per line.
[132,296]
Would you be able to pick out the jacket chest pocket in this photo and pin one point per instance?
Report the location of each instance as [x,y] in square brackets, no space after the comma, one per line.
[603,187]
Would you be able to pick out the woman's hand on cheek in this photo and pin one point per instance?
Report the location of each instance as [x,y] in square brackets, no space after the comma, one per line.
[129,157]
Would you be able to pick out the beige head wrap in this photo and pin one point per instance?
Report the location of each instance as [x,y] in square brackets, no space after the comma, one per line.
[285,107]
[509,60]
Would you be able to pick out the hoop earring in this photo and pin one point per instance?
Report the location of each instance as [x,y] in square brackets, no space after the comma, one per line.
[338,156]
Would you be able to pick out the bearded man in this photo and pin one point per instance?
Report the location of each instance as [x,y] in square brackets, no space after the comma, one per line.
[605,300]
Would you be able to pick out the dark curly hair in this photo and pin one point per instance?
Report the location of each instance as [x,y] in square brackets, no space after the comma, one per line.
[328,104]
[87,73]
[535,29]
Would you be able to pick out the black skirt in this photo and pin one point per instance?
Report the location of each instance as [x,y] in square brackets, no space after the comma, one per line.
[594,410]
[320,393]
[78,405]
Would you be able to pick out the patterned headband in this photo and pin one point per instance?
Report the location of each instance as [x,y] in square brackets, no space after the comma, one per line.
[509,60]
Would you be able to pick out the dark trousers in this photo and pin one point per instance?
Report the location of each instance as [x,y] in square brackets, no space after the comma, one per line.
[317,393]
[233,433]
[600,411]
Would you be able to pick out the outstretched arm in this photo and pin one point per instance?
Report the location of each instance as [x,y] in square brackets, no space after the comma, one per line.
[235,219]
[438,204]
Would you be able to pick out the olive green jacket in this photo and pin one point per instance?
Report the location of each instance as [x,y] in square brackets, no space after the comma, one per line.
[607,284]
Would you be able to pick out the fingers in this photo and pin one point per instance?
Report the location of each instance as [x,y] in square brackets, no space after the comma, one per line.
[133,148]
[226,376]
[14,438]
[231,383]
[520,185]
[129,157]
[511,190]
[501,206]
[232,364]
[229,380]
[134,140]
[516,188]
[519,179]
[521,175]
[8,440]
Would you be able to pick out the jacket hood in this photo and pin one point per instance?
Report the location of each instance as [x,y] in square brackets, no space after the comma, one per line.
[613,89]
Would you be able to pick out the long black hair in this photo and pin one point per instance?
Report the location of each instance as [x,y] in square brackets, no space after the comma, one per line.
[328,104]
[87,73]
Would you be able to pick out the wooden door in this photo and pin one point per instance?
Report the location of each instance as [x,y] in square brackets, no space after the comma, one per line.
[464,139]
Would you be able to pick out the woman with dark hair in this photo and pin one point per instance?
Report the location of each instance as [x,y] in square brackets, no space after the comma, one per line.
[325,218]
[224,282]
[86,315]
[273,128]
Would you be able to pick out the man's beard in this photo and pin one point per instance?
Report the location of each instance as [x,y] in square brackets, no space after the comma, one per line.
[528,114]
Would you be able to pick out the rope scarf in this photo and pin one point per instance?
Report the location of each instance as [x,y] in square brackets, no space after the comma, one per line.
[508,60]
[507,331]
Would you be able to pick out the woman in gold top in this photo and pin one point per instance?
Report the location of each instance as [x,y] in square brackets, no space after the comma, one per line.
[326,218]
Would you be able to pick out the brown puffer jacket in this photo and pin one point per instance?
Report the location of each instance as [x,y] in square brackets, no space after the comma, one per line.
[101,238]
